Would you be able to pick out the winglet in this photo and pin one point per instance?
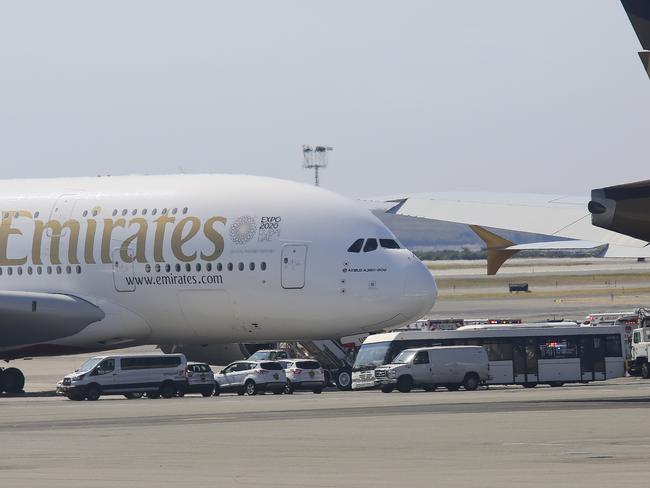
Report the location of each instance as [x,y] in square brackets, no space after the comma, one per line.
[638,11]
[497,252]
[398,204]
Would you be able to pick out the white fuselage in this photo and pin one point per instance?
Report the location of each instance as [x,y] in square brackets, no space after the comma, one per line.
[203,259]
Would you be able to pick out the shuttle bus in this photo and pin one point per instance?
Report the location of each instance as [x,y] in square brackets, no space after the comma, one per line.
[524,354]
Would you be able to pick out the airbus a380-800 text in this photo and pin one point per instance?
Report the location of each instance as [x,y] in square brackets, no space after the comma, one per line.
[90,264]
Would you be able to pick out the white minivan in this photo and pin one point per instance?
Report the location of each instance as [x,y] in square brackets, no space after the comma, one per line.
[154,374]
[429,367]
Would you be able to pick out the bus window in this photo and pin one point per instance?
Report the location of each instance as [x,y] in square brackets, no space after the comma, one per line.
[498,351]
[558,348]
[637,337]
[613,346]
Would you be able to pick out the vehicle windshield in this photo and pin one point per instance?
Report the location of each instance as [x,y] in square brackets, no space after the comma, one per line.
[404,357]
[371,355]
[261,356]
[88,365]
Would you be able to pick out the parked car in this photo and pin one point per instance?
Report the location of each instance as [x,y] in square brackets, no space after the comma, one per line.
[429,367]
[251,378]
[303,374]
[154,374]
[200,379]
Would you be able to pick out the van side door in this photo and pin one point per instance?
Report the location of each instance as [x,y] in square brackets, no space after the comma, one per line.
[421,369]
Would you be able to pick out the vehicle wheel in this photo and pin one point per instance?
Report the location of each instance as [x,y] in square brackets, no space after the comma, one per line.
[288,389]
[76,396]
[251,388]
[453,387]
[429,388]
[343,379]
[93,393]
[317,391]
[555,384]
[405,384]
[207,392]
[645,371]
[13,381]
[471,381]
[153,395]
[529,385]
[387,388]
[180,394]
[167,389]
[133,396]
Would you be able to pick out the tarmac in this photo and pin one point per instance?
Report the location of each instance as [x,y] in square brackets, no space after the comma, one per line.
[577,435]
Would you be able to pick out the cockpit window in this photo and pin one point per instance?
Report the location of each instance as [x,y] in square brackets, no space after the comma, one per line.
[371,245]
[389,243]
[356,246]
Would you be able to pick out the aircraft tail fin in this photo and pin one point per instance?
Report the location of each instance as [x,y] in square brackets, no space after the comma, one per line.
[638,11]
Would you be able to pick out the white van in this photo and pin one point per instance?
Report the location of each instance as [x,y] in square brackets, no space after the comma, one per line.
[429,367]
[156,375]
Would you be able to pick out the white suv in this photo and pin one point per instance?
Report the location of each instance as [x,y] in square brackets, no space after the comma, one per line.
[303,374]
[251,377]
[200,379]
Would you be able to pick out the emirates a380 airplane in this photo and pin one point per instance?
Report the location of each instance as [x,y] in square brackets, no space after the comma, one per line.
[89,264]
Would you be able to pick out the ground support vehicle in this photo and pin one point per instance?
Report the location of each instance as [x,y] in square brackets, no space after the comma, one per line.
[523,354]
[250,378]
[200,379]
[129,375]
[303,374]
[430,367]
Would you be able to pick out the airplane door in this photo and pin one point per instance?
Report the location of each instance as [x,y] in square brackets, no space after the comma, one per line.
[294,258]
[122,273]
[62,210]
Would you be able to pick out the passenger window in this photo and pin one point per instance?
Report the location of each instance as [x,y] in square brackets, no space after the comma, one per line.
[637,337]
[421,358]
[371,245]
[389,243]
[356,246]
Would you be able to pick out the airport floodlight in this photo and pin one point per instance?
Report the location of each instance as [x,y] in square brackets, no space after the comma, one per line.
[315,157]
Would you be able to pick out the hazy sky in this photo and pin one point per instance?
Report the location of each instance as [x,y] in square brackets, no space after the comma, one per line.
[509,95]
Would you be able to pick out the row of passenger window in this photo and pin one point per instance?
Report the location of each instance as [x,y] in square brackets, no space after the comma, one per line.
[123,212]
[372,244]
[39,270]
[157,268]
[533,348]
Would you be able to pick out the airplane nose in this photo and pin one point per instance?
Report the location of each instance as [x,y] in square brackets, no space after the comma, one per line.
[420,289]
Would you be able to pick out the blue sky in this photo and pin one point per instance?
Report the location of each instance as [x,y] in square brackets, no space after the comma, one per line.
[425,95]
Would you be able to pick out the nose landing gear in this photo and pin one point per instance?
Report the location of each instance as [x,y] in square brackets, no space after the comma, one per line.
[12,381]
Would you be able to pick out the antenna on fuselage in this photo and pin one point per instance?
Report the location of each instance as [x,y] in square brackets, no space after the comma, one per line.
[315,157]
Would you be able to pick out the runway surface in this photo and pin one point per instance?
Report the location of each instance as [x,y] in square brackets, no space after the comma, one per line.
[581,435]
[578,435]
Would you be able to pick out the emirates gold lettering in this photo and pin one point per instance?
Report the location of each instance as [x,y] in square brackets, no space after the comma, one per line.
[54,240]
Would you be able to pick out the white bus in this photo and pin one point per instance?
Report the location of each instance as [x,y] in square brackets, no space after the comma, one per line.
[524,354]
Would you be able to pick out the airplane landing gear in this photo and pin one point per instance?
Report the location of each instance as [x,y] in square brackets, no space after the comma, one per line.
[12,381]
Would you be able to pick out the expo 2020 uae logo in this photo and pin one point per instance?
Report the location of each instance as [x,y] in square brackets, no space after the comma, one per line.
[243,229]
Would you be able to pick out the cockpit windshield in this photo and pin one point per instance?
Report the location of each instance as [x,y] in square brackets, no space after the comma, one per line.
[356,246]
[371,244]
[389,244]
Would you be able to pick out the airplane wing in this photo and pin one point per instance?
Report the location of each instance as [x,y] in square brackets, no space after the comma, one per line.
[31,317]
[564,217]
[553,215]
